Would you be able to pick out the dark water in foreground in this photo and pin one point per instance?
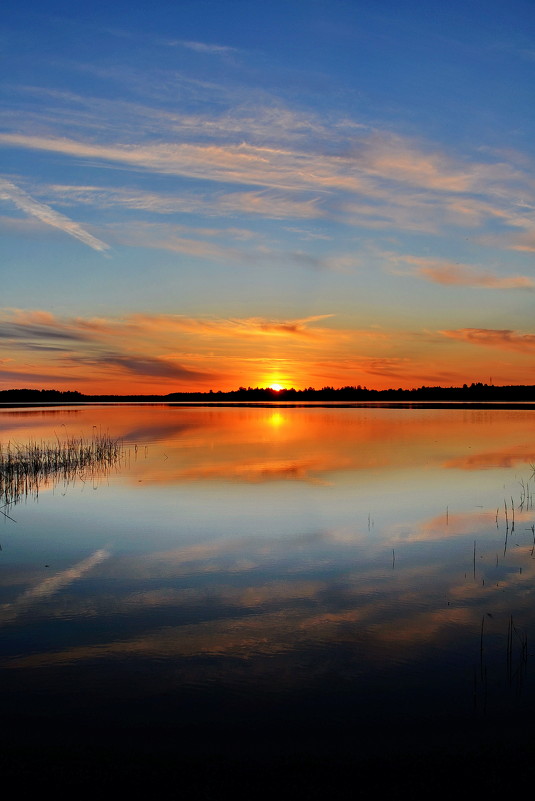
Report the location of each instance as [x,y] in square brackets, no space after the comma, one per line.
[273,601]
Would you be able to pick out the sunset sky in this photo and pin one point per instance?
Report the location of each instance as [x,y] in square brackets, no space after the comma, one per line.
[203,194]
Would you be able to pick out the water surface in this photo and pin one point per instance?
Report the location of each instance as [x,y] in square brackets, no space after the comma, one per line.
[253,585]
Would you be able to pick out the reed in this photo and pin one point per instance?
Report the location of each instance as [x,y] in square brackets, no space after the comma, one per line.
[24,468]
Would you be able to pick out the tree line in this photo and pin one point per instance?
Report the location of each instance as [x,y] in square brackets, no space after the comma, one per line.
[473,392]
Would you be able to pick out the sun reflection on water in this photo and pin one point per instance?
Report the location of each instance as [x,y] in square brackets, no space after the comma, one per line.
[280,550]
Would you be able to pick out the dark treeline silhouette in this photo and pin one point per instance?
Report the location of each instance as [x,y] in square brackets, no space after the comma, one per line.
[469,393]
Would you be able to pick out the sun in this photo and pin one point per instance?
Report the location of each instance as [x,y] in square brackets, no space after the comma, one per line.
[276,387]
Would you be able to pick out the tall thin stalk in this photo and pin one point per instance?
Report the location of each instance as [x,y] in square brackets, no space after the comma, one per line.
[24,468]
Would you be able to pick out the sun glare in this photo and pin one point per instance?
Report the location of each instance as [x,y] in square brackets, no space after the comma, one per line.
[276,387]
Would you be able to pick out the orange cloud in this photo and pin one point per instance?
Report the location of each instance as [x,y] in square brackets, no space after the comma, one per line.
[147,354]
[505,339]
[453,274]
[38,325]
[524,242]
[441,271]
[402,161]
[276,168]
[234,327]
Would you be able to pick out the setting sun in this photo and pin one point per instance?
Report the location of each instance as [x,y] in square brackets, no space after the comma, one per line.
[276,387]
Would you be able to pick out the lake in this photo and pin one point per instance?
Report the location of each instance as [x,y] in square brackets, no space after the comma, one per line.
[271,598]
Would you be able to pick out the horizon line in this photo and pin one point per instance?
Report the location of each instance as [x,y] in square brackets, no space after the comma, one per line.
[276,392]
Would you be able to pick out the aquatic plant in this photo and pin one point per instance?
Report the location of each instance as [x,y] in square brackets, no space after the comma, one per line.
[25,468]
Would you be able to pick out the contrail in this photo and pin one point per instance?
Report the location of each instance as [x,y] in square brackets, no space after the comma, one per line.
[34,208]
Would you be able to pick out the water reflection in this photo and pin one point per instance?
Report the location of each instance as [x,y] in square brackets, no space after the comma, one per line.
[331,572]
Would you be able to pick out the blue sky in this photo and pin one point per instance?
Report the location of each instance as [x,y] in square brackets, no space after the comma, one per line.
[202,195]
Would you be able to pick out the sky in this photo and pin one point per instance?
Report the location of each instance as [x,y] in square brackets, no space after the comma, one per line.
[222,193]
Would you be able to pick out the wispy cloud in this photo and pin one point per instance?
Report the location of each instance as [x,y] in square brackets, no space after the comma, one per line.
[503,339]
[203,47]
[31,376]
[235,328]
[156,352]
[32,207]
[231,245]
[522,241]
[441,271]
[398,370]
[229,163]
[24,324]
[159,41]
[148,366]
[280,163]
[264,203]
[40,325]
[169,237]
[375,164]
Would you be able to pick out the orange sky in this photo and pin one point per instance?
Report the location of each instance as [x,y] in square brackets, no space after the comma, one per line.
[145,354]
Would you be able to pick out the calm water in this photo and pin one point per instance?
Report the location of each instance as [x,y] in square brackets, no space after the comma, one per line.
[256,585]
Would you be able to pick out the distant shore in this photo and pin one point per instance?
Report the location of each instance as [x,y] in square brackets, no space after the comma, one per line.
[477,393]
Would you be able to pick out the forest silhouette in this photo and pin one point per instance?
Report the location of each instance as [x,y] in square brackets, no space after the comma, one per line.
[467,393]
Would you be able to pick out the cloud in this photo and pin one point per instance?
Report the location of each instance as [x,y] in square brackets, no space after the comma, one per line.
[151,350]
[203,47]
[234,327]
[37,347]
[269,204]
[293,165]
[169,237]
[276,168]
[390,367]
[398,370]
[166,236]
[28,377]
[441,271]
[291,327]
[158,41]
[280,167]
[504,339]
[403,162]
[265,203]
[39,324]
[21,325]
[522,242]
[459,275]
[238,118]
[148,366]
[286,162]
[32,207]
